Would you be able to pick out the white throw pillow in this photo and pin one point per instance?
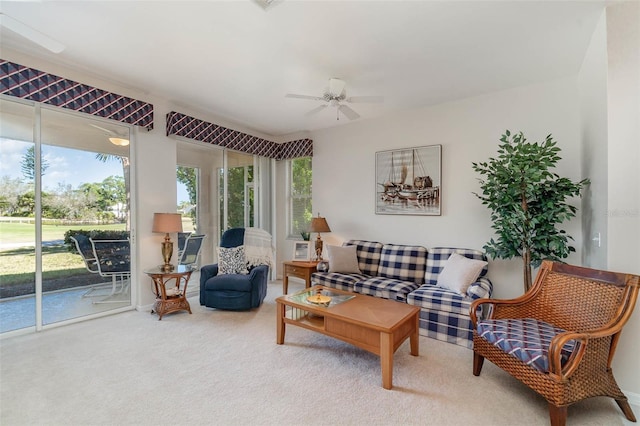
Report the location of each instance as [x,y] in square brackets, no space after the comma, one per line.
[460,272]
[343,259]
[232,261]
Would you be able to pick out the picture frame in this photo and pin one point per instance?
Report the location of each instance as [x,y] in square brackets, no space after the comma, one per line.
[409,181]
[301,250]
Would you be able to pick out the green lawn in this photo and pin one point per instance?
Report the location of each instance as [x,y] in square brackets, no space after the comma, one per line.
[17,265]
[25,232]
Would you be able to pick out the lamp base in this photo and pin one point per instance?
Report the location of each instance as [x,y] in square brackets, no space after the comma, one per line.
[167,251]
[318,248]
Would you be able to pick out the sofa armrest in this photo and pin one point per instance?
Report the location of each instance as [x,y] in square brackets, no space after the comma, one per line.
[481,289]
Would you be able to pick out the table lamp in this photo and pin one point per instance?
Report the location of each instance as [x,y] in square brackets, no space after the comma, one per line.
[167,223]
[319,225]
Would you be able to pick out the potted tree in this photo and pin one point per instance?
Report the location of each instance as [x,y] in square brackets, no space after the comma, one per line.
[528,201]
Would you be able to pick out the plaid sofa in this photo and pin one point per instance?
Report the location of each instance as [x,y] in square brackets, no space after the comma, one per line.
[409,274]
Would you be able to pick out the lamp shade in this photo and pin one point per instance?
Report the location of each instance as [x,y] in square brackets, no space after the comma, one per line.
[167,222]
[319,224]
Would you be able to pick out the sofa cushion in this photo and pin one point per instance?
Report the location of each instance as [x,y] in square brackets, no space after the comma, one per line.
[368,253]
[527,339]
[337,280]
[437,257]
[386,288]
[405,263]
[460,272]
[436,298]
[343,259]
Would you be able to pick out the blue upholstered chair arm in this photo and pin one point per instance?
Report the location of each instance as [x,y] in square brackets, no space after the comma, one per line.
[258,276]
[206,272]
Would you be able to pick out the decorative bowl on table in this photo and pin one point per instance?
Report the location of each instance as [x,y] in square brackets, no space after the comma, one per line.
[319,299]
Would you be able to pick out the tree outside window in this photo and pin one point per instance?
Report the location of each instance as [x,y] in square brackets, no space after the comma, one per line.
[300,207]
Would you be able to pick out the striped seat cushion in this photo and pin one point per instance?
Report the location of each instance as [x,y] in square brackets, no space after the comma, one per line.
[527,339]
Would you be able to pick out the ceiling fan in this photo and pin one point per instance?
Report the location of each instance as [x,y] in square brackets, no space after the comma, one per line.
[114,137]
[334,95]
[30,33]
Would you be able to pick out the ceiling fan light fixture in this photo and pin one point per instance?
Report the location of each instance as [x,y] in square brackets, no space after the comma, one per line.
[119,141]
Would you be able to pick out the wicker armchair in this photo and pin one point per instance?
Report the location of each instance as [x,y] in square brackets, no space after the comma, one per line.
[562,334]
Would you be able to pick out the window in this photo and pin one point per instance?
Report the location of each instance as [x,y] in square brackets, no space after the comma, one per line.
[240,192]
[188,187]
[300,211]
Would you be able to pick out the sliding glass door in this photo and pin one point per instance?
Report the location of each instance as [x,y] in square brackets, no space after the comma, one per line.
[74,180]
[17,216]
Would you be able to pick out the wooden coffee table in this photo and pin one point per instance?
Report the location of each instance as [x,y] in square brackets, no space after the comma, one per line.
[376,325]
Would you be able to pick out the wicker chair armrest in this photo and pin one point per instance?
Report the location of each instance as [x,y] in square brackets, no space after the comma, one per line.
[555,352]
[500,308]
[582,340]
[474,308]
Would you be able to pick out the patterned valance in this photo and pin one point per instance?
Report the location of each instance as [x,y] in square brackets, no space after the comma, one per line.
[189,127]
[28,83]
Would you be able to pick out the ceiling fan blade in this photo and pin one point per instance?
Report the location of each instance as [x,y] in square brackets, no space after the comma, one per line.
[336,86]
[31,34]
[348,112]
[365,99]
[293,95]
[316,110]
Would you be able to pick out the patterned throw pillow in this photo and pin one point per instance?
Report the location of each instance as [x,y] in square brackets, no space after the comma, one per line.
[232,261]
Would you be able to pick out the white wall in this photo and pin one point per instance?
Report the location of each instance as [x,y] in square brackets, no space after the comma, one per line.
[468,130]
[592,82]
[623,48]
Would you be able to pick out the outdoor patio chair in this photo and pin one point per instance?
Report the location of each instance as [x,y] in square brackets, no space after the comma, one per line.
[113,258]
[560,337]
[191,252]
[182,240]
[85,250]
[83,245]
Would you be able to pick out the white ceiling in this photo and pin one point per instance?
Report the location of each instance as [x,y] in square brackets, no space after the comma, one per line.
[236,61]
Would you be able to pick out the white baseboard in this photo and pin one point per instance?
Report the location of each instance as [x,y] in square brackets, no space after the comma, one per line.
[144,308]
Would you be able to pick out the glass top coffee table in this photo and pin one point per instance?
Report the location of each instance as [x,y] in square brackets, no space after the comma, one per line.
[376,325]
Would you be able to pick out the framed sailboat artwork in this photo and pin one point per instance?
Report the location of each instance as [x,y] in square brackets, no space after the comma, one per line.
[408,181]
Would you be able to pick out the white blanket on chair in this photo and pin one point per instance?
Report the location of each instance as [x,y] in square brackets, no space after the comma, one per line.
[258,249]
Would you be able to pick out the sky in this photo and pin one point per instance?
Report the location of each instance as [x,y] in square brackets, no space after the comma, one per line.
[69,166]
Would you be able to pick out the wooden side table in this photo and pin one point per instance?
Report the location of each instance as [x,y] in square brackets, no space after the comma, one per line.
[299,269]
[170,297]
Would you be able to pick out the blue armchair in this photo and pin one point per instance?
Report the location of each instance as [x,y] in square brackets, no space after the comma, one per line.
[234,292]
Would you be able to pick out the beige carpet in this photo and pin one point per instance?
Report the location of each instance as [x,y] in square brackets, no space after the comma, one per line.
[224,368]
